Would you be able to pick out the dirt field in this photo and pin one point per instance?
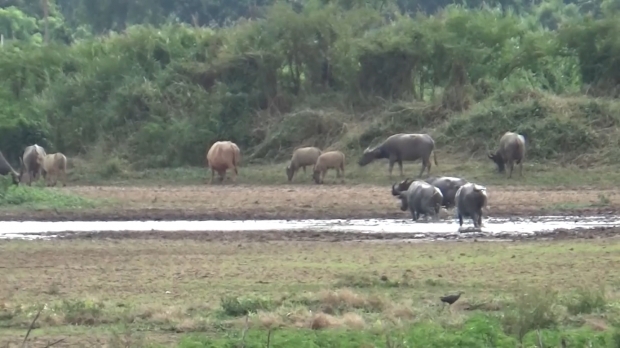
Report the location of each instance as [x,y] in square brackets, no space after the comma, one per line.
[304,202]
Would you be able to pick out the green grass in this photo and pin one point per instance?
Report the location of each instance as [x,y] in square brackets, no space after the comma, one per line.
[39,197]
[480,171]
[328,294]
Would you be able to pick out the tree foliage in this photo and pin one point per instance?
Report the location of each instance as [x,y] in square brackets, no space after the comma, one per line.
[159,92]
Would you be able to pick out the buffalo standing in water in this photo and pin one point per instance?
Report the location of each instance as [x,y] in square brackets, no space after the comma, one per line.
[470,199]
[446,184]
[420,198]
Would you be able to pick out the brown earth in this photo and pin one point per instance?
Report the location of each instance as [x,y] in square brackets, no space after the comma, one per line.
[304,202]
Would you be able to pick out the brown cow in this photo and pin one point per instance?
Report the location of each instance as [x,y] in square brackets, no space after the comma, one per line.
[31,163]
[54,166]
[223,155]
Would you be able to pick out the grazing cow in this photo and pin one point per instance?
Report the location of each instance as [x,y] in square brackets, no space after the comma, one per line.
[55,166]
[470,199]
[223,155]
[402,147]
[448,186]
[31,163]
[6,169]
[328,160]
[302,157]
[511,150]
[420,198]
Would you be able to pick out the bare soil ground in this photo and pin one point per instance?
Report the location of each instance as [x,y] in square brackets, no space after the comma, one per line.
[220,202]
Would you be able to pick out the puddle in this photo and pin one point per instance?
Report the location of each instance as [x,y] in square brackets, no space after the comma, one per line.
[517,226]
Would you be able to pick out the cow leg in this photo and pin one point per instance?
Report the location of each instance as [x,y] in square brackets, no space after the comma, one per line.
[304,168]
[480,219]
[428,165]
[391,167]
[511,165]
[337,172]
[212,175]
[234,175]
[400,166]
[460,219]
[521,168]
[423,167]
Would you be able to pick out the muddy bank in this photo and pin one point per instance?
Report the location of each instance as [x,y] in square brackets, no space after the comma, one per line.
[301,236]
[241,213]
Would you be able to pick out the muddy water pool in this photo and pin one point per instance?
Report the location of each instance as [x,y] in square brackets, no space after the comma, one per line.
[38,229]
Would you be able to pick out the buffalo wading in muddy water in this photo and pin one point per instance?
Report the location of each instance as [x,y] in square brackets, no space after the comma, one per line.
[328,160]
[55,167]
[402,147]
[448,186]
[511,150]
[302,157]
[31,164]
[7,169]
[420,198]
[223,155]
[470,199]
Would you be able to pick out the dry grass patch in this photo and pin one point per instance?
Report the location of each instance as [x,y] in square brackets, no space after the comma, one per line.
[336,301]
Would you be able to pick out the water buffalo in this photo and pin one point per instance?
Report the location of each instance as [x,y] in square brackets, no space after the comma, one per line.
[448,186]
[511,150]
[31,163]
[470,199]
[402,147]
[223,155]
[420,198]
[55,166]
[302,157]
[6,169]
[328,160]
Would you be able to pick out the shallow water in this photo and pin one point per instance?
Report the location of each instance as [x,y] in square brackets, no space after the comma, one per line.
[36,229]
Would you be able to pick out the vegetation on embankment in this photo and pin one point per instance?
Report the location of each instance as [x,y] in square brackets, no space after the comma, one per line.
[319,74]
[161,289]
[39,197]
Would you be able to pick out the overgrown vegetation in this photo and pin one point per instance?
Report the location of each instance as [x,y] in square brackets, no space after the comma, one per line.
[319,73]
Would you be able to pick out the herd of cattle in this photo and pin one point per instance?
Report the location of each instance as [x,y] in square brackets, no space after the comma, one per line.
[34,163]
[420,197]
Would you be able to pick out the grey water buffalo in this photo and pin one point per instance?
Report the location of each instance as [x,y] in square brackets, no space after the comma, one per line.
[420,198]
[302,157]
[511,150]
[223,155]
[448,186]
[328,160]
[402,147]
[55,167]
[7,169]
[470,199]
[31,163]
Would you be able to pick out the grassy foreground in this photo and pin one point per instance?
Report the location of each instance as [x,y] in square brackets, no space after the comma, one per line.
[193,294]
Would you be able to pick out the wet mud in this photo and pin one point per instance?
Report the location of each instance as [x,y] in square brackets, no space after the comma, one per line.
[334,237]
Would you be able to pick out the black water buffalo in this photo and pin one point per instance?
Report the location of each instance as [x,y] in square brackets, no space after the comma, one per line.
[402,147]
[420,198]
[511,150]
[470,199]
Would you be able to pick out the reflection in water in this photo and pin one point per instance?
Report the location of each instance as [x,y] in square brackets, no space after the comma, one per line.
[29,229]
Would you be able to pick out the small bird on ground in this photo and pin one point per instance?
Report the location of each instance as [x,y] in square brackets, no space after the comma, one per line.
[450,299]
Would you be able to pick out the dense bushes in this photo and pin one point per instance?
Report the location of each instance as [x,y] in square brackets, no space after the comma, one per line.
[158,97]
